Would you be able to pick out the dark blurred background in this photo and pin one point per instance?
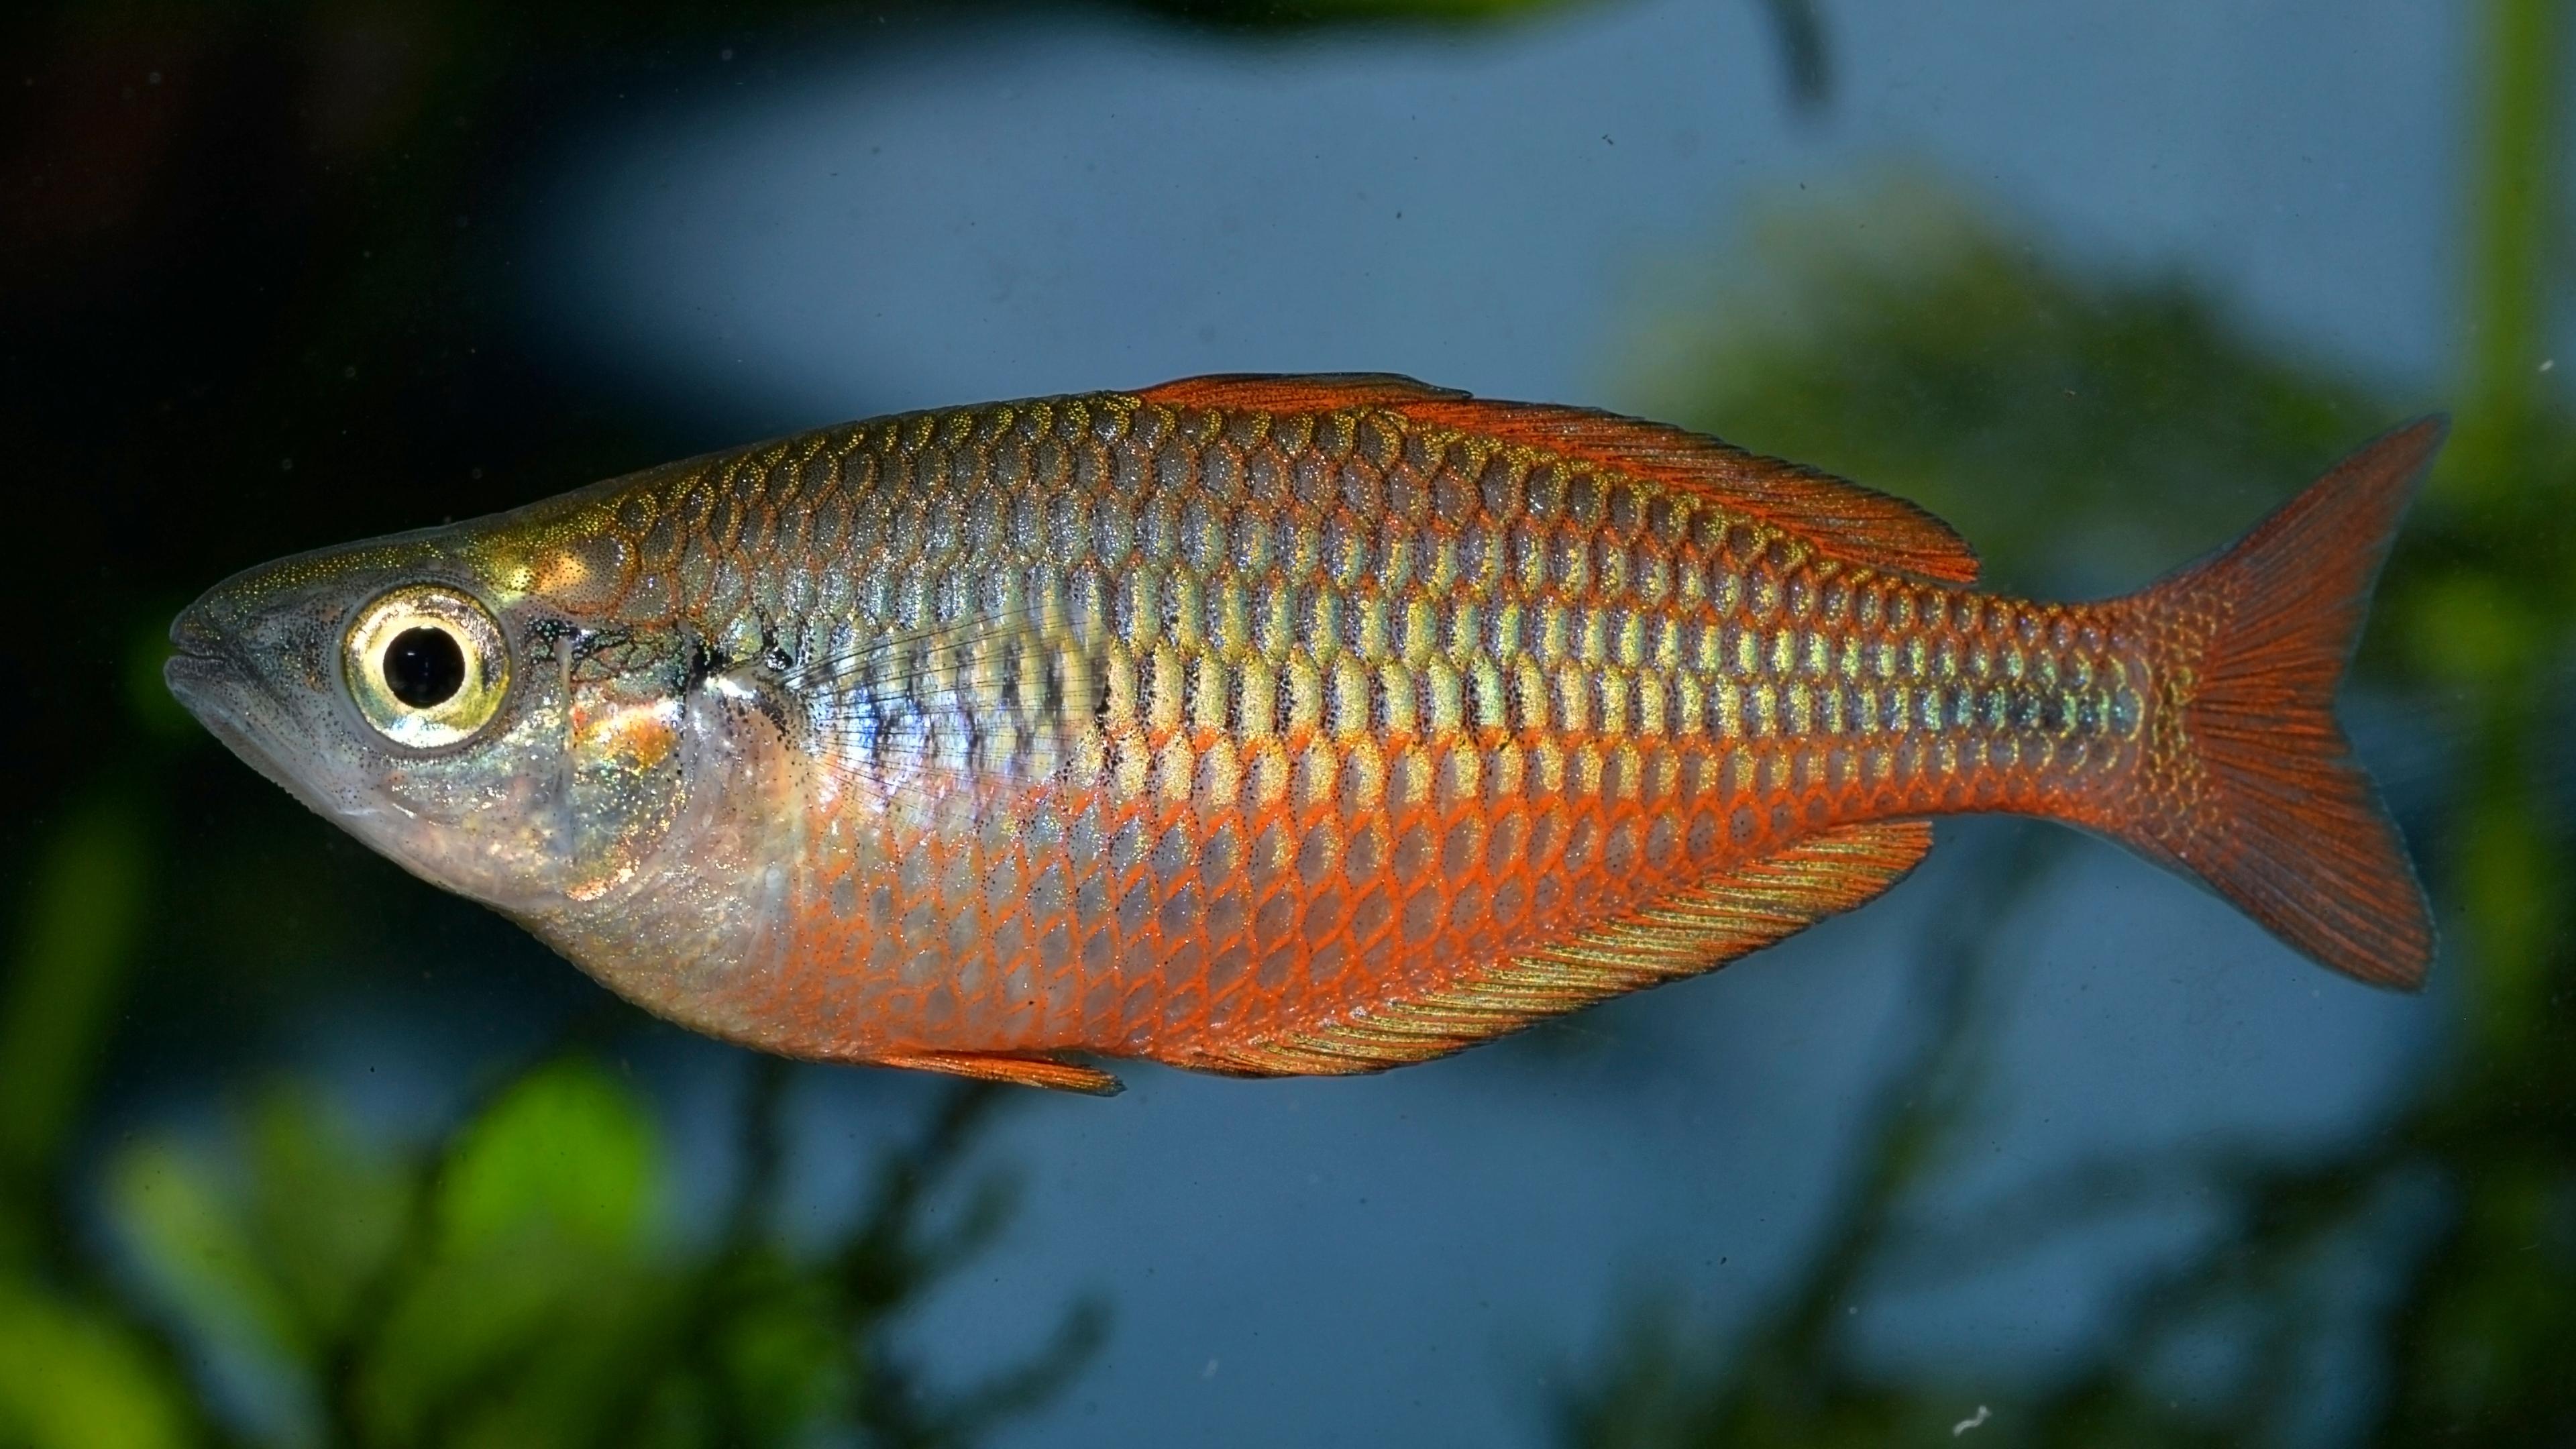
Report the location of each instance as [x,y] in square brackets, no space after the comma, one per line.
[2046,1148]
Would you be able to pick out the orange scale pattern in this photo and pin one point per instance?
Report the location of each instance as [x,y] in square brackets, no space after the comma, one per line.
[1204,733]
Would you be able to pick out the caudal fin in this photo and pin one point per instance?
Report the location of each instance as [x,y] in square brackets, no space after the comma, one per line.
[2249,784]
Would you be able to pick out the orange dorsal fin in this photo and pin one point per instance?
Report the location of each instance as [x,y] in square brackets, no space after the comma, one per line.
[1299,392]
[1843,519]
[1031,1070]
[1696,929]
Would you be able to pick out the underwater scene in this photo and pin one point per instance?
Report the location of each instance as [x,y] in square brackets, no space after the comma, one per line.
[1588,723]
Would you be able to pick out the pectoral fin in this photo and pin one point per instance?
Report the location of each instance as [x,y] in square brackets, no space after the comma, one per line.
[1682,934]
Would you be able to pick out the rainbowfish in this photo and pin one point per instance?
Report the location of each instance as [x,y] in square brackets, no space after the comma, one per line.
[1270,725]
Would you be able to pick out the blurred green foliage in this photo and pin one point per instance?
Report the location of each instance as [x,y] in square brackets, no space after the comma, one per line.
[2079,428]
[521,1282]
[75,1374]
[84,908]
[1936,354]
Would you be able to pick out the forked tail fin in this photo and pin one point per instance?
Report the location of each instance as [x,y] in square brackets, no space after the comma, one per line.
[2247,781]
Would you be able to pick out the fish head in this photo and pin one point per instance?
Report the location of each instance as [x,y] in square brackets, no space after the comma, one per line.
[464,700]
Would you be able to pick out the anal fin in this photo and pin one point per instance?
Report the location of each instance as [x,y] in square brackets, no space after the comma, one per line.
[1031,1070]
[1690,931]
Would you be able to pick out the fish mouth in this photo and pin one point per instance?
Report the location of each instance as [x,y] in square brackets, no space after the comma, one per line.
[201,674]
[238,708]
[210,688]
[200,677]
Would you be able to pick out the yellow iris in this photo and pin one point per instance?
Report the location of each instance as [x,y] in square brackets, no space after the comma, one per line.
[426,665]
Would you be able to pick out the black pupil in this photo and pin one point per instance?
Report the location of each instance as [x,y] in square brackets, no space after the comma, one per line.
[424,667]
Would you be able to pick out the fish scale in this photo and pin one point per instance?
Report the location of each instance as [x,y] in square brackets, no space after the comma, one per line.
[1297,632]
[1270,725]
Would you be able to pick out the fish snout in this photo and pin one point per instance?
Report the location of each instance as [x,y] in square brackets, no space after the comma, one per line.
[207,670]
[212,673]
[224,670]
[198,672]
[195,634]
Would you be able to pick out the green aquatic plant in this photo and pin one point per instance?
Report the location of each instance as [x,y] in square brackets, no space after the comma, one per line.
[520,1282]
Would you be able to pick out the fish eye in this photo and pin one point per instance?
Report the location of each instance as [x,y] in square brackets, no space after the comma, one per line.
[426,666]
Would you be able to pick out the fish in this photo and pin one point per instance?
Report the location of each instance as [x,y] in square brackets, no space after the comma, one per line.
[1275,725]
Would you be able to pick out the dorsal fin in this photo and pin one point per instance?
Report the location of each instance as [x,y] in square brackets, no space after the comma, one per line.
[1696,929]
[1855,524]
[1299,392]
[1035,1069]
